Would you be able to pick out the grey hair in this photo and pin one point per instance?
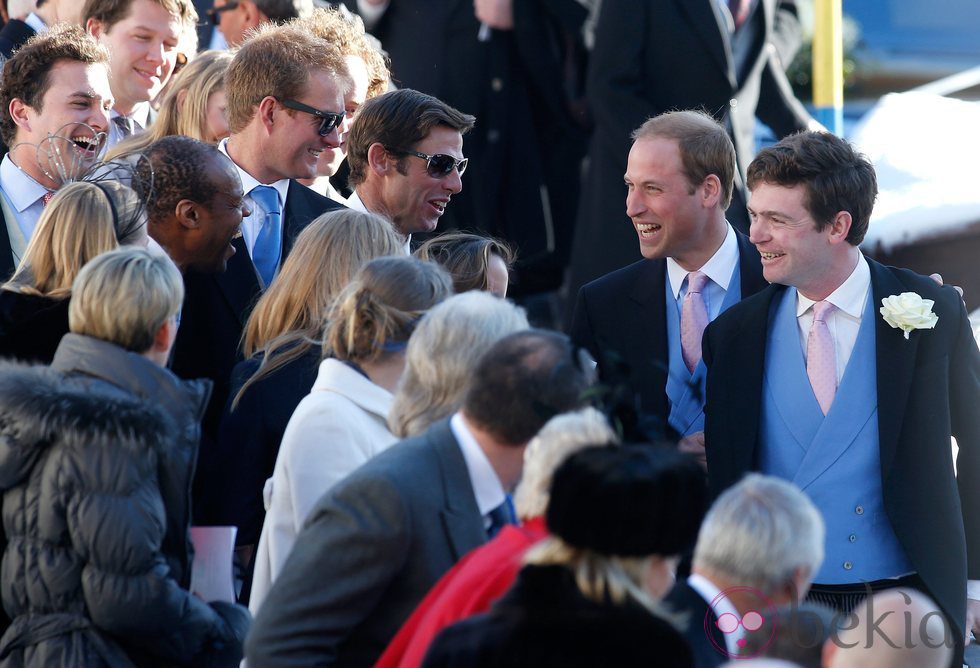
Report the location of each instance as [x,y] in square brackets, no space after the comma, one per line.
[759,532]
[560,438]
[442,353]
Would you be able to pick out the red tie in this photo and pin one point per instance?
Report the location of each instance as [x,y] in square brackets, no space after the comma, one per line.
[47,198]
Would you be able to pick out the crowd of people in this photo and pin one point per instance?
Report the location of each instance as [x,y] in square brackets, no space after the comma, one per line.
[244,285]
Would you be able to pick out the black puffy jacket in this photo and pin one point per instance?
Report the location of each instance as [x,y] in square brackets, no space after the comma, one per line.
[84,577]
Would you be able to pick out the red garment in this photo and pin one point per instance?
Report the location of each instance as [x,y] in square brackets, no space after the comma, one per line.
[469,588]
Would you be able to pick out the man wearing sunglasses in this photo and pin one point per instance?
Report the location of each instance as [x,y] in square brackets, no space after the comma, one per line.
[405,152]
[236,17]
[285,92]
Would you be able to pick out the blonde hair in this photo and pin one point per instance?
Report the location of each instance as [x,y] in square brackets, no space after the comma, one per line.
[560,438]
[602,578]
[346,32]
[124,297]
[184,107]
[277,60]
[378,310]
[80,222]
[442,354]
[288,319]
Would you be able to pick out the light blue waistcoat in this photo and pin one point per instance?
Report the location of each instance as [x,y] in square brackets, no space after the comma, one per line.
[833,458]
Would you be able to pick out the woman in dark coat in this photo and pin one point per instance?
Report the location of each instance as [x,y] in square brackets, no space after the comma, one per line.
[589,595]
[95,469]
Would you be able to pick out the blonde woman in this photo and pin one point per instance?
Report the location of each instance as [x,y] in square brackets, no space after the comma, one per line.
[193,106]
[81,221]
[342,422]
[442,355]
[282,342]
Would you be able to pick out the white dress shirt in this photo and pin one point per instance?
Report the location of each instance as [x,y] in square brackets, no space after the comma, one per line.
[487,489]
[36,23]
[26,197]
[844,322]
[252,225]
[718,268]
[719,605]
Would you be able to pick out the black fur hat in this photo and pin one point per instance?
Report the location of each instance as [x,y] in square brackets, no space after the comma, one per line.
[630,501]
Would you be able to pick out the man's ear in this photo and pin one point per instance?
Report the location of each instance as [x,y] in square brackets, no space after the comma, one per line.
[253,15]
[19,114]
[188,214]
[840,227]
[379,161]
[266,111]
[164,337]
[712,191]
[95,28]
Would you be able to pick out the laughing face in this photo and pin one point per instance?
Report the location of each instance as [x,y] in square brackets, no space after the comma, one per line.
[793,251]
[74,107]
[667,213]
[142,52]
[413,199]
[294,141]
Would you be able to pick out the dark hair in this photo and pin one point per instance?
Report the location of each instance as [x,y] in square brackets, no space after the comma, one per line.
[177,167]
[111,12]
[284,10]
[631,501]
[399,119]
[466,257]
[704,145]
[27,75]
[521,382]
[834,176]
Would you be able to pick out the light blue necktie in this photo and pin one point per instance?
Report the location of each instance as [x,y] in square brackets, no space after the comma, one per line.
[268,243]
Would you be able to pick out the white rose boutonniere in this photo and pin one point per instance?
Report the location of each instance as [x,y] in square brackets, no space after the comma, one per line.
[908,311]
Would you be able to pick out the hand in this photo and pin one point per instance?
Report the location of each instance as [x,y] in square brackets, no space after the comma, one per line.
[938,278]
[498,14]
[972,619]
[694,445]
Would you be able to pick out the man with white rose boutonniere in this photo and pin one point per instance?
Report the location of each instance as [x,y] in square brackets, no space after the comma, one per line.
[849,378]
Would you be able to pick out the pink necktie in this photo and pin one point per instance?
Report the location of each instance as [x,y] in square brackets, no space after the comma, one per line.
[821,358]
[47,198]
[739,10]
[694,318]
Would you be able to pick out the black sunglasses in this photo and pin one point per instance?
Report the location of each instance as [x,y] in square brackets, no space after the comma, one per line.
[214,14]
[438,165]
[328,119]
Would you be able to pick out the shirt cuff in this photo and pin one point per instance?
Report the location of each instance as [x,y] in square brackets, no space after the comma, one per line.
[371,13]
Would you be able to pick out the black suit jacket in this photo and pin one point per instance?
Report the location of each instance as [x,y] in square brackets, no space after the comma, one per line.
[653,57]
[371,549]
[927,389]
[685,600]
[621,319]
[216,308]
[7,266]
[13,36]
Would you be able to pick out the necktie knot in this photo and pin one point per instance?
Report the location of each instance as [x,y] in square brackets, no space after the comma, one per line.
[696,281]
[821,310]
[500,517]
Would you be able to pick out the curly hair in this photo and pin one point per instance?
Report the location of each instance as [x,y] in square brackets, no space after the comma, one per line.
[175,168]
[27,75]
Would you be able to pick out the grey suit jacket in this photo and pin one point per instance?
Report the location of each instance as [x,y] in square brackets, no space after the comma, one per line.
[372,548]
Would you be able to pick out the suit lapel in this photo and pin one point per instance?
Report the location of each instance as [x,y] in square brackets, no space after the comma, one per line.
[649,337]
[6,254]
[895,361]
[705,22]
[239,284]
[460,516]
[302,206]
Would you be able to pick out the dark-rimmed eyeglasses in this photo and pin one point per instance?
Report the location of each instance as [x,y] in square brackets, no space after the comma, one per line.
[437,166]
[328,119]
[214,14]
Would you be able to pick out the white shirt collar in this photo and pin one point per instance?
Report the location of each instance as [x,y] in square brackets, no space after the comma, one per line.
[21,189]
[354,202]
[852,295]
[718,268]
[140,114]
[249,182]
[36,23]
[719,605]
[486,485]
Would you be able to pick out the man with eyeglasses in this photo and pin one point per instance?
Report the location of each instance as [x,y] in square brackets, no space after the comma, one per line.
[405,153]
[234,18]
[285,91]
